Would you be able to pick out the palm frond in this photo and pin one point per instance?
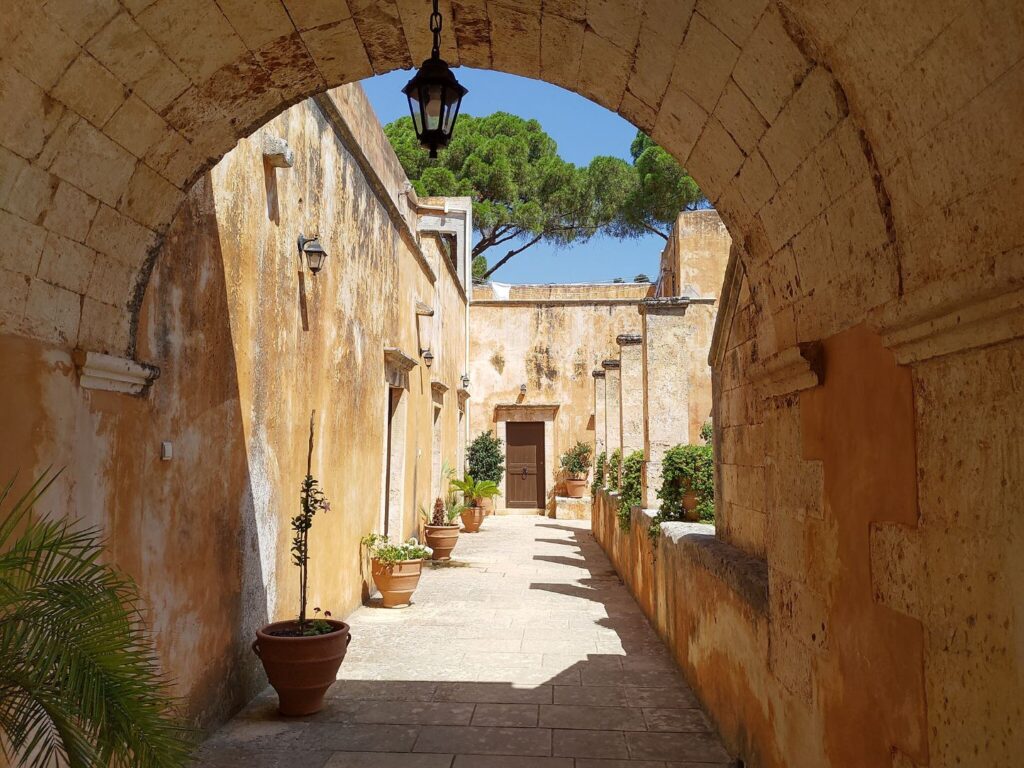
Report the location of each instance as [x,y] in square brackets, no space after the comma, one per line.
[80,682]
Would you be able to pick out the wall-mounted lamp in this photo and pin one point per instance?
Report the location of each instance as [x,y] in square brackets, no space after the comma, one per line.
[465,381]
[428,357]
[313,251]
[522,389]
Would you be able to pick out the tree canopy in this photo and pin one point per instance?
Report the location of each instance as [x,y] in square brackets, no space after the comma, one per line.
[524,193]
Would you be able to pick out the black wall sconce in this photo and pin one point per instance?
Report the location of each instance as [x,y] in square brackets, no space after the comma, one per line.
[465,381]
[314,252]
[428,357]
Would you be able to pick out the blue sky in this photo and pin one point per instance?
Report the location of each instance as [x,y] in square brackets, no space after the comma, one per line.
[582,130]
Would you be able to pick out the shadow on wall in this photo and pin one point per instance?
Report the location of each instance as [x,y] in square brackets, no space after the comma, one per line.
[189,530]
[215,495]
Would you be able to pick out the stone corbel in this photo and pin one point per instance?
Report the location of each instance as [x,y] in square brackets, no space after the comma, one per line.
[792,370]
[611,365]
[438,390]
[277,153]
[598,373]
[463,397]
[628,339]
[113,374]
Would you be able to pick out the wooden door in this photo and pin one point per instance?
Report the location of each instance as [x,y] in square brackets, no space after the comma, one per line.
[525,465]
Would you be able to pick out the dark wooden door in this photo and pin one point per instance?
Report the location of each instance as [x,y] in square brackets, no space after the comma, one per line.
[525,464]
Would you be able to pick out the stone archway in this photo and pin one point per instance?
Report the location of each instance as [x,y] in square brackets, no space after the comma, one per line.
[864,158]
[824,137]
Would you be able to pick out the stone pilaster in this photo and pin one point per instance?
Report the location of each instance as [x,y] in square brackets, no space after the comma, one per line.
[631,396]
[612,425]
[600,433]
[666,404]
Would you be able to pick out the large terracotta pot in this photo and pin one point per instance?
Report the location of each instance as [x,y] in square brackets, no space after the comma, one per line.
[442,539]
[301,669]
[690,501]
[488,506]
[472,518]
[576,488]
[396,581]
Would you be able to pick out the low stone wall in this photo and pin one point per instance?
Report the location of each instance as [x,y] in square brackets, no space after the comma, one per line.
[709,603]
[567,508]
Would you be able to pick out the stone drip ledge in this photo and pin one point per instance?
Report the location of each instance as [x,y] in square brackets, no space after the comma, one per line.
[745,574]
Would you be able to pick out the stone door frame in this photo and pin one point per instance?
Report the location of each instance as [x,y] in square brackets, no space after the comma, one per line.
[544,412]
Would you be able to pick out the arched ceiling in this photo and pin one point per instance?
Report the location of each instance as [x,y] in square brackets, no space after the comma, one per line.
[865,154]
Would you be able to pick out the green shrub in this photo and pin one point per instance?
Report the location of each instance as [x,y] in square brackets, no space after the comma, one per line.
[629,495]
[686,466]
[485,459]
[576,461]
[598,483]
[614,463]
[707,432]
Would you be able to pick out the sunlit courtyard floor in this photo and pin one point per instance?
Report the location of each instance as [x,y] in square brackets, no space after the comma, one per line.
[525,651]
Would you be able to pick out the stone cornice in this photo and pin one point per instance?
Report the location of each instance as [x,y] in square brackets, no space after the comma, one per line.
[673,305]
[113,374]
[628,339]
[916,334]
[611,365]
[792,370]
[525,411]
[398,360]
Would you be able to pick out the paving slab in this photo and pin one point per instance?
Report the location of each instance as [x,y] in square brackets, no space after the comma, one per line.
[526,652]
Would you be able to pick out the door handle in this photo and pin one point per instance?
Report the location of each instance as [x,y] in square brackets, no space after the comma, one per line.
[524,473]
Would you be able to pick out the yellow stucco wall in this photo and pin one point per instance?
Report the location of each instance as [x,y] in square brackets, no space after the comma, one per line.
[550,338]
[249,343]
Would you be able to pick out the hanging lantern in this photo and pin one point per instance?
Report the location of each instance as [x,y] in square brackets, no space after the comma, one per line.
[434,95]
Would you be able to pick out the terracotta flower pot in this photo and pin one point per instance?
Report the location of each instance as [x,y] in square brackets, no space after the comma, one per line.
[301,669]
[690,507]
[488,506]
[442,539]
[396,581]
[472,518]
[575,487]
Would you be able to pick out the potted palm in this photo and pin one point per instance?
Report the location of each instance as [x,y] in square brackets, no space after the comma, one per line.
[396,568]
[576,465]
[486,461]
[80,681]
[301,656]
[473,494]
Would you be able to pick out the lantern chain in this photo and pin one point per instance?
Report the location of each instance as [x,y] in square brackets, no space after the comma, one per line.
[435,27]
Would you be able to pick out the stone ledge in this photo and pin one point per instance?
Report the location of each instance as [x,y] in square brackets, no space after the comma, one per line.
[113,374]
[745,574]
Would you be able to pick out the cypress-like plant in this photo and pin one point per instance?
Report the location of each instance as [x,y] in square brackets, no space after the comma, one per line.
[485,459]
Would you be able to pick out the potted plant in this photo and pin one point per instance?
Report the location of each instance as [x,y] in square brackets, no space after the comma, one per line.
[576,465]
[301,656]
[688,484]
[441,531]
[485,460]
[396,568]
[473,494]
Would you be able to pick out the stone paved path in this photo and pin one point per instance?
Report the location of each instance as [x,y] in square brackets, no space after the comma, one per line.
[527,652]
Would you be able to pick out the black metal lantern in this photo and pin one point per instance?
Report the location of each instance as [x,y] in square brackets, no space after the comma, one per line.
[313,251]
[434,95]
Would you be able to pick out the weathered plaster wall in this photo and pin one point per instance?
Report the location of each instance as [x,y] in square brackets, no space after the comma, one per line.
[550,338]
[694,258]
[248,343]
